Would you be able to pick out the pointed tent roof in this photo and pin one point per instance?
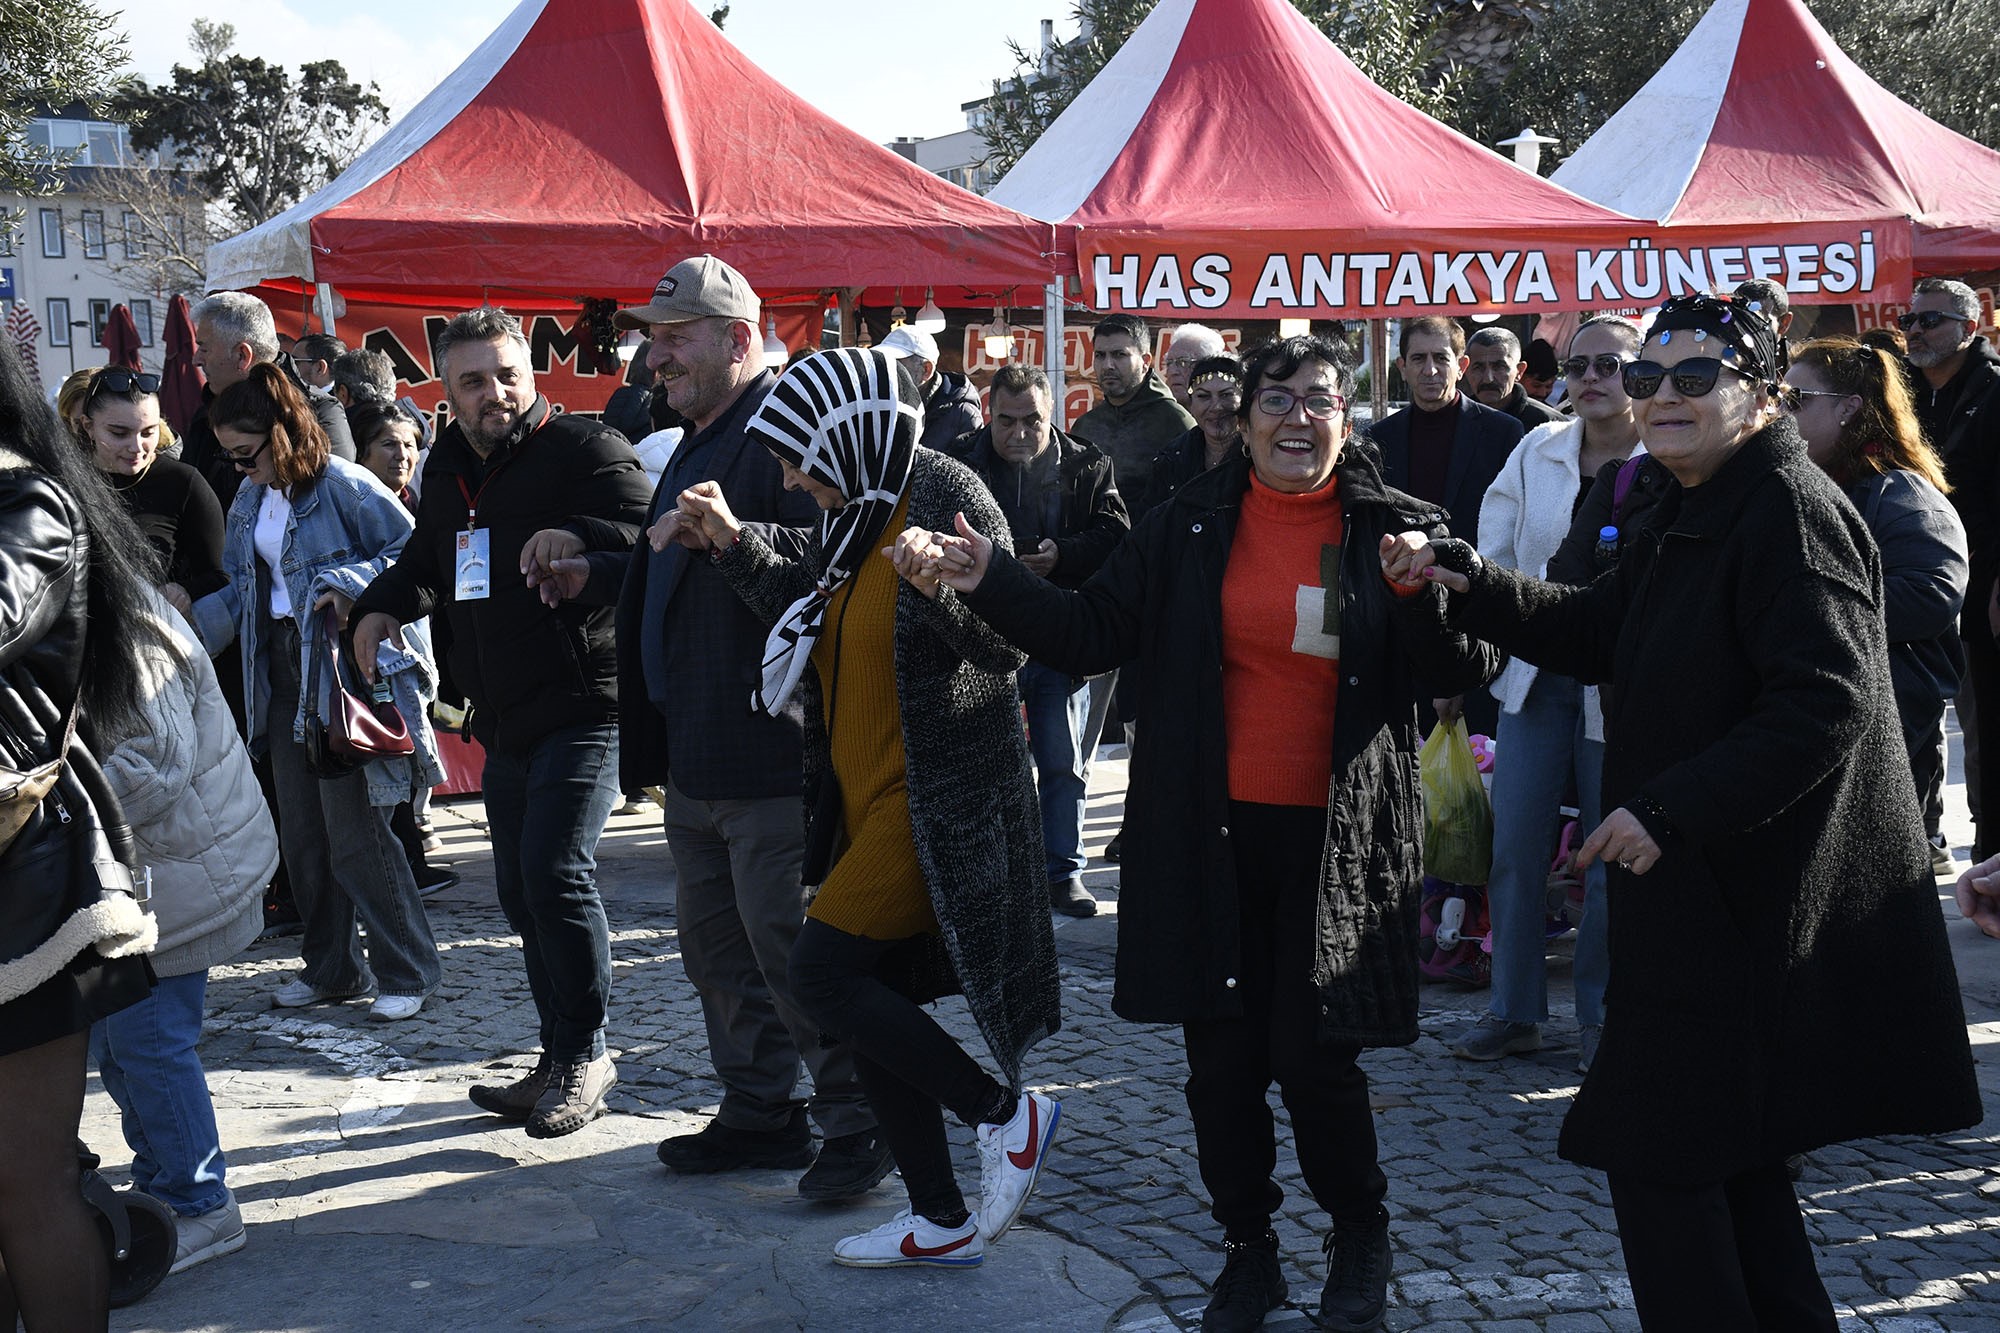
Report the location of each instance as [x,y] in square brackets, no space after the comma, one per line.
[1225,121]
[1761,118]
[587,142]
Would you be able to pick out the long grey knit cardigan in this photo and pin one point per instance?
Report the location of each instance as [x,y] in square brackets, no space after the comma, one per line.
[973,811]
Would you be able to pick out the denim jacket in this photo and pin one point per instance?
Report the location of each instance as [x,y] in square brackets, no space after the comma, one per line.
[344,529]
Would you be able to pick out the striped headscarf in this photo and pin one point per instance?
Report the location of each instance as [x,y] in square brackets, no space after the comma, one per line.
[842,418]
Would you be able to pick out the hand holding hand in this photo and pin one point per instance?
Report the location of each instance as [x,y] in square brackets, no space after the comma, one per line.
[1621,838]
[962,560]
[915,555]
[544,549]
[675,527]
[368,635]
[702,505]
[1409,558]
[564,580]
[1041,560]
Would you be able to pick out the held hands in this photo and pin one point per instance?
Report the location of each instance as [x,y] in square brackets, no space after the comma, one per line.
[674,527]
[957,561]
[368,635]
[1409,558]
[1621,838]
[915,556]
[702,507]
[553,564]
[1978,894]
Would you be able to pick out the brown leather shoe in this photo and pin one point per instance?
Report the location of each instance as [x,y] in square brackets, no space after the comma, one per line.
[574,1097]
[514,1101]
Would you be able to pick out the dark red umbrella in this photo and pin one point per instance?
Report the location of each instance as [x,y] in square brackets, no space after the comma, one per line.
[180,381]
[121,339]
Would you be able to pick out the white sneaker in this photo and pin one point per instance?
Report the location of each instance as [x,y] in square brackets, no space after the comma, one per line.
[1010,1157]
[296,994]
[393,1007]
[908,1240]
[210,1235]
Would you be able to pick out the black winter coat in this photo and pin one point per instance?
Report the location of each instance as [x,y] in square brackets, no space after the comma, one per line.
[526,669]
[1091,514]
[1781,979]
[1158,599]
[1923,588]
[951,411]
[1962,421]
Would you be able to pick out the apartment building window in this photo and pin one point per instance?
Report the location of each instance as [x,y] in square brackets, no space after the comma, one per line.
[93,233]
[6,235]
[135,236]
[142,315]
[58,313]
[100,315]
[52,234]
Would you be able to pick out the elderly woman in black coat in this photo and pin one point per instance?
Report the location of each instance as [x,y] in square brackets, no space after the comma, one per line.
[1271,882]
[1780,977]
[930,878]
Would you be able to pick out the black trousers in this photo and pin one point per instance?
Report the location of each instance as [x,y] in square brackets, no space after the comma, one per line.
[1232,1062]
[1982,740]
[911,1069]
[1730,1257]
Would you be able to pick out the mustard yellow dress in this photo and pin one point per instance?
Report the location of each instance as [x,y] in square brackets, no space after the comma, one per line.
[876,888]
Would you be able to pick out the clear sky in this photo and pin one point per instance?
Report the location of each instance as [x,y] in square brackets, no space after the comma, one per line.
[885,68]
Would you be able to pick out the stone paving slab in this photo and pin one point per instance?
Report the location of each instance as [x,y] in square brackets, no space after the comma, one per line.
[379,1199]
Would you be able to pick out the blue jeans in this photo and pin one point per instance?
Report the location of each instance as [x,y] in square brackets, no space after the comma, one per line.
[146,1056]
[547,808]
[1058,707]
[1539,749]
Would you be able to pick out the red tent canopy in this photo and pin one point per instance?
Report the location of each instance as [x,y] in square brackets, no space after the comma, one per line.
[1231,159]
[1760,119]
[588,144]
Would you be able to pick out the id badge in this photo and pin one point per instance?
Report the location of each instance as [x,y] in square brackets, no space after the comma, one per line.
[473,578]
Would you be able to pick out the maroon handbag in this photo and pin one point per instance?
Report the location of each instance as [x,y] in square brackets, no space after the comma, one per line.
[361,727]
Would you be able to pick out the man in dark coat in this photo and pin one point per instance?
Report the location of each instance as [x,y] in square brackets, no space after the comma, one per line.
[1447,449]
[1065,514]
[1956,385]
[1493,370]
[689,654]
[511,483]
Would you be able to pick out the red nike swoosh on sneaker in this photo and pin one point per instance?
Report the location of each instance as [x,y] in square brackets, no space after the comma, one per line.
[912,1250]
[1024,1157]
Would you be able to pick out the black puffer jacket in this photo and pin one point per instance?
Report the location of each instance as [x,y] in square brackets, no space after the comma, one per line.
[1781,979]
[1158,599]
[1091,518]
[951,409]
[65,882]
[526,669]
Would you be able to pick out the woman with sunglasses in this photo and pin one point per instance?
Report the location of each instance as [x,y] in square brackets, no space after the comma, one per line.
[1551,736]
[307,533]
[119,415]
[1780,977]
[1282,668]
[1852,405]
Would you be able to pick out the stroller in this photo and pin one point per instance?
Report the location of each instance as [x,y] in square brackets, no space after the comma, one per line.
[139,1232]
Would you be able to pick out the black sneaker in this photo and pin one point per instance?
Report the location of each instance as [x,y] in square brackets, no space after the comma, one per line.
[1357,1277]
[1069,897]
[848,1166]
[1249,1288]
[718,1147]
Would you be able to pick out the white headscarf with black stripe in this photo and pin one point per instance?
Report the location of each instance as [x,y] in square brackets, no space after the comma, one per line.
[841,418]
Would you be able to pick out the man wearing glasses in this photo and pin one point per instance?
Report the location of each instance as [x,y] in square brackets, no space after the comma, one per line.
[1957,392]
[1188,344]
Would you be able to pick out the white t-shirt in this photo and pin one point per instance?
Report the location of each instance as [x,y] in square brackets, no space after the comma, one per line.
[274,515]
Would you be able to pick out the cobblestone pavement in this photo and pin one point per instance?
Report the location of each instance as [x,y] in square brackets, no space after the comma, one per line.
[377,1198]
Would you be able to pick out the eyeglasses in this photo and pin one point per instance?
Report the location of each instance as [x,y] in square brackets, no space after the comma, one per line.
[245,462]
[117,379]
[1275,402]
[1181,362]
[1606,365]
[1792,398]
[1925,320]
[1693,378]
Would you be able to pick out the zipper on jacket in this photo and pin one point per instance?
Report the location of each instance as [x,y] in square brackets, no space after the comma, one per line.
[62,811]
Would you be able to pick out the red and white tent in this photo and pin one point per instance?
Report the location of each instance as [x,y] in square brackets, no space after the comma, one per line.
[587,144]
[1231,160]
[1760,120]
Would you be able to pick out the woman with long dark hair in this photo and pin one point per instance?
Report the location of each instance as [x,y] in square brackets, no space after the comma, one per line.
[307,533]
[71,616]
[1853,407]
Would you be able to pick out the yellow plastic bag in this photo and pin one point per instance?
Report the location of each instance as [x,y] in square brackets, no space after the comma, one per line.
[1458,821]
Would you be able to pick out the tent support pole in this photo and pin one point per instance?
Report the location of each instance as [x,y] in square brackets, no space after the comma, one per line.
[1052,345]
[1378,363]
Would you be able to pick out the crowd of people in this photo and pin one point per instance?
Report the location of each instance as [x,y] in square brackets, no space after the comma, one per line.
[863,637]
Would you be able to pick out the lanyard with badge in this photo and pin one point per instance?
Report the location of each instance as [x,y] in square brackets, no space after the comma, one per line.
[472,568]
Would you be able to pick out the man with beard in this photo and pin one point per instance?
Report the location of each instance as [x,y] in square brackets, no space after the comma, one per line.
[1493,370]
[510,484]
[1957,391]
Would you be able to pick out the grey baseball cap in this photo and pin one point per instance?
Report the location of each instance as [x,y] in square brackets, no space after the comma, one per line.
[697,288]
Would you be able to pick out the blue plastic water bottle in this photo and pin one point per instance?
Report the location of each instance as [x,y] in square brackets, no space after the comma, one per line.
[1607,543]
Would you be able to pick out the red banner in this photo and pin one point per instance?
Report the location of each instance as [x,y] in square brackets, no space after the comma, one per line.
[1231,274]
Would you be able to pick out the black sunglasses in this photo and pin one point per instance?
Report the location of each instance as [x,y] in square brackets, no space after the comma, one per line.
[1693,378]
[1925,320]
[1606,364]
[117,379]
[247,461]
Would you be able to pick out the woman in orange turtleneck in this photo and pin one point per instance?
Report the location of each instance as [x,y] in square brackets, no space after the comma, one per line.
[1270,887]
